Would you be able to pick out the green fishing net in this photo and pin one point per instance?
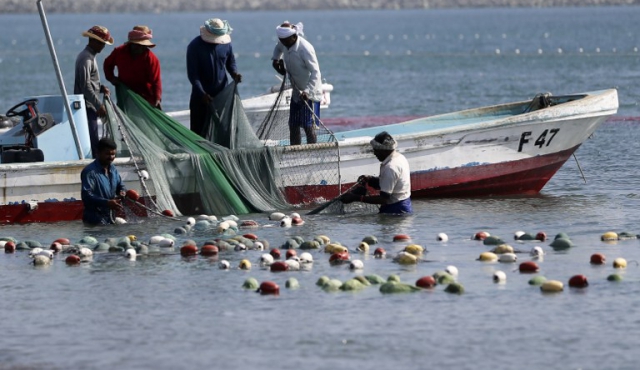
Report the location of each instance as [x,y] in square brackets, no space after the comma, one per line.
[189,174]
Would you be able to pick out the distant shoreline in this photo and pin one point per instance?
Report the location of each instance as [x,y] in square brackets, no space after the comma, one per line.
[162,6]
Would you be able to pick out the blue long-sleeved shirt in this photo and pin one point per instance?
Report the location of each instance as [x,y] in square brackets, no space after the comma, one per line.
[97,189]
[207,66]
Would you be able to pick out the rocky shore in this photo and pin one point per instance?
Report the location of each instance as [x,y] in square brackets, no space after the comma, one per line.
[125,6]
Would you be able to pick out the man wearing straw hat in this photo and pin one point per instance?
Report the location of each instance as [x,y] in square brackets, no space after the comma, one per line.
[394,181]
[209,58]
[297,56]
[87,80]
[138,67]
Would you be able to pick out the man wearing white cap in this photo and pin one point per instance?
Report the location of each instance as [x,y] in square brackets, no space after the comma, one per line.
[209,58]
[295,55]
[394,182]
[87,80]
[138,67]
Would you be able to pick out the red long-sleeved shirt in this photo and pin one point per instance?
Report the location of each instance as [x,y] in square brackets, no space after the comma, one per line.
[140,74]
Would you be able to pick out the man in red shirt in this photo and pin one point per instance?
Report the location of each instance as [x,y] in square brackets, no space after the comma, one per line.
[138,67]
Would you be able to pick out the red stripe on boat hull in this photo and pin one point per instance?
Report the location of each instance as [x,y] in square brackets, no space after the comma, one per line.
[526,176]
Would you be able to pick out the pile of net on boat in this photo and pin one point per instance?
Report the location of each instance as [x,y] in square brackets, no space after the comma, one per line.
[229,171]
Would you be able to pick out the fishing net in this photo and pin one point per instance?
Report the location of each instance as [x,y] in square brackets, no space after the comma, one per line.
[190,174]
[311,172]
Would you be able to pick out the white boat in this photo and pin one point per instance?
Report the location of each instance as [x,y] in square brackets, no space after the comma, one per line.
[505,149]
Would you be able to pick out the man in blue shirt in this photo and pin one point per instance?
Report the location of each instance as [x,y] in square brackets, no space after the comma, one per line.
[209,57]
[101,185]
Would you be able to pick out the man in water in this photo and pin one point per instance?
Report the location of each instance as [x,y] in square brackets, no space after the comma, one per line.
[138,67]
[297,56]
[87,80]
[394,181]
[101,185]
[209,58]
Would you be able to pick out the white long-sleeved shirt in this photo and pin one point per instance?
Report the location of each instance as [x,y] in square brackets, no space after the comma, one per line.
[303,68]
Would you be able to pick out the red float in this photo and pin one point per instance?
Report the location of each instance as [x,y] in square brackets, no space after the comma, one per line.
[132,194]
[55,247]
[253,237]
[401,238]
[339,258]
[578,281]
[269,288]
[481,235]
[279,266]
[72,260]
[249,223]
[275,253]
[9,247]
[167,212]
[529,267]
[189,250]
[598,259]
[63,241]
[379,252]
[290,253]
[541,236]
[209,250]
[426,282]
[297,221]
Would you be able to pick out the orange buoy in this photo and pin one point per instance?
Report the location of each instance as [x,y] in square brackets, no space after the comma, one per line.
[528,267]
[578,281]
[251,236]
[63,241]
[426,282]
[279,266]
[167,212]
[189,250]
[401,238]
[379,252]
[290,253]
[9,247]
[72,260]
[132,194]
[209,250]
[275,253]
[598,259]
[541,236]
[269,288]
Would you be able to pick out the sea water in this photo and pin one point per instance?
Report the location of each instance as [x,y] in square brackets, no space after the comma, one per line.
[170,312]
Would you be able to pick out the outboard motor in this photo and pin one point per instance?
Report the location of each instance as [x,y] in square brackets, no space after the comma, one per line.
[32,124]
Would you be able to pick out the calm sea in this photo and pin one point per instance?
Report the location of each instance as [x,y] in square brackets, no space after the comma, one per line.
[174,313]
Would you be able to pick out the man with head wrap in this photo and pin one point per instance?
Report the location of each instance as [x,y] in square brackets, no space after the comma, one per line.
[295,55]
[394,182]
[209,58]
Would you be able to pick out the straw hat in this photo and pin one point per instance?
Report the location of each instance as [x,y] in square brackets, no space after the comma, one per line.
[99,33]
[141,35]
[216,31]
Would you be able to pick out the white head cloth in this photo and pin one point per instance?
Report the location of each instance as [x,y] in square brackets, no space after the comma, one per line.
[388,144]
[295,29]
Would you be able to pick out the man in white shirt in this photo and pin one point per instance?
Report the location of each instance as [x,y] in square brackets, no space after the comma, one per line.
[394,181]
[297,56]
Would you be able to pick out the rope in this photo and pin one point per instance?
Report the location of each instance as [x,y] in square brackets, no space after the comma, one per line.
[126,142]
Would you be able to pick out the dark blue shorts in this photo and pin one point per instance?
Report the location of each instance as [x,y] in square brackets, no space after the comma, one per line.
[401,207]
[300,114]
